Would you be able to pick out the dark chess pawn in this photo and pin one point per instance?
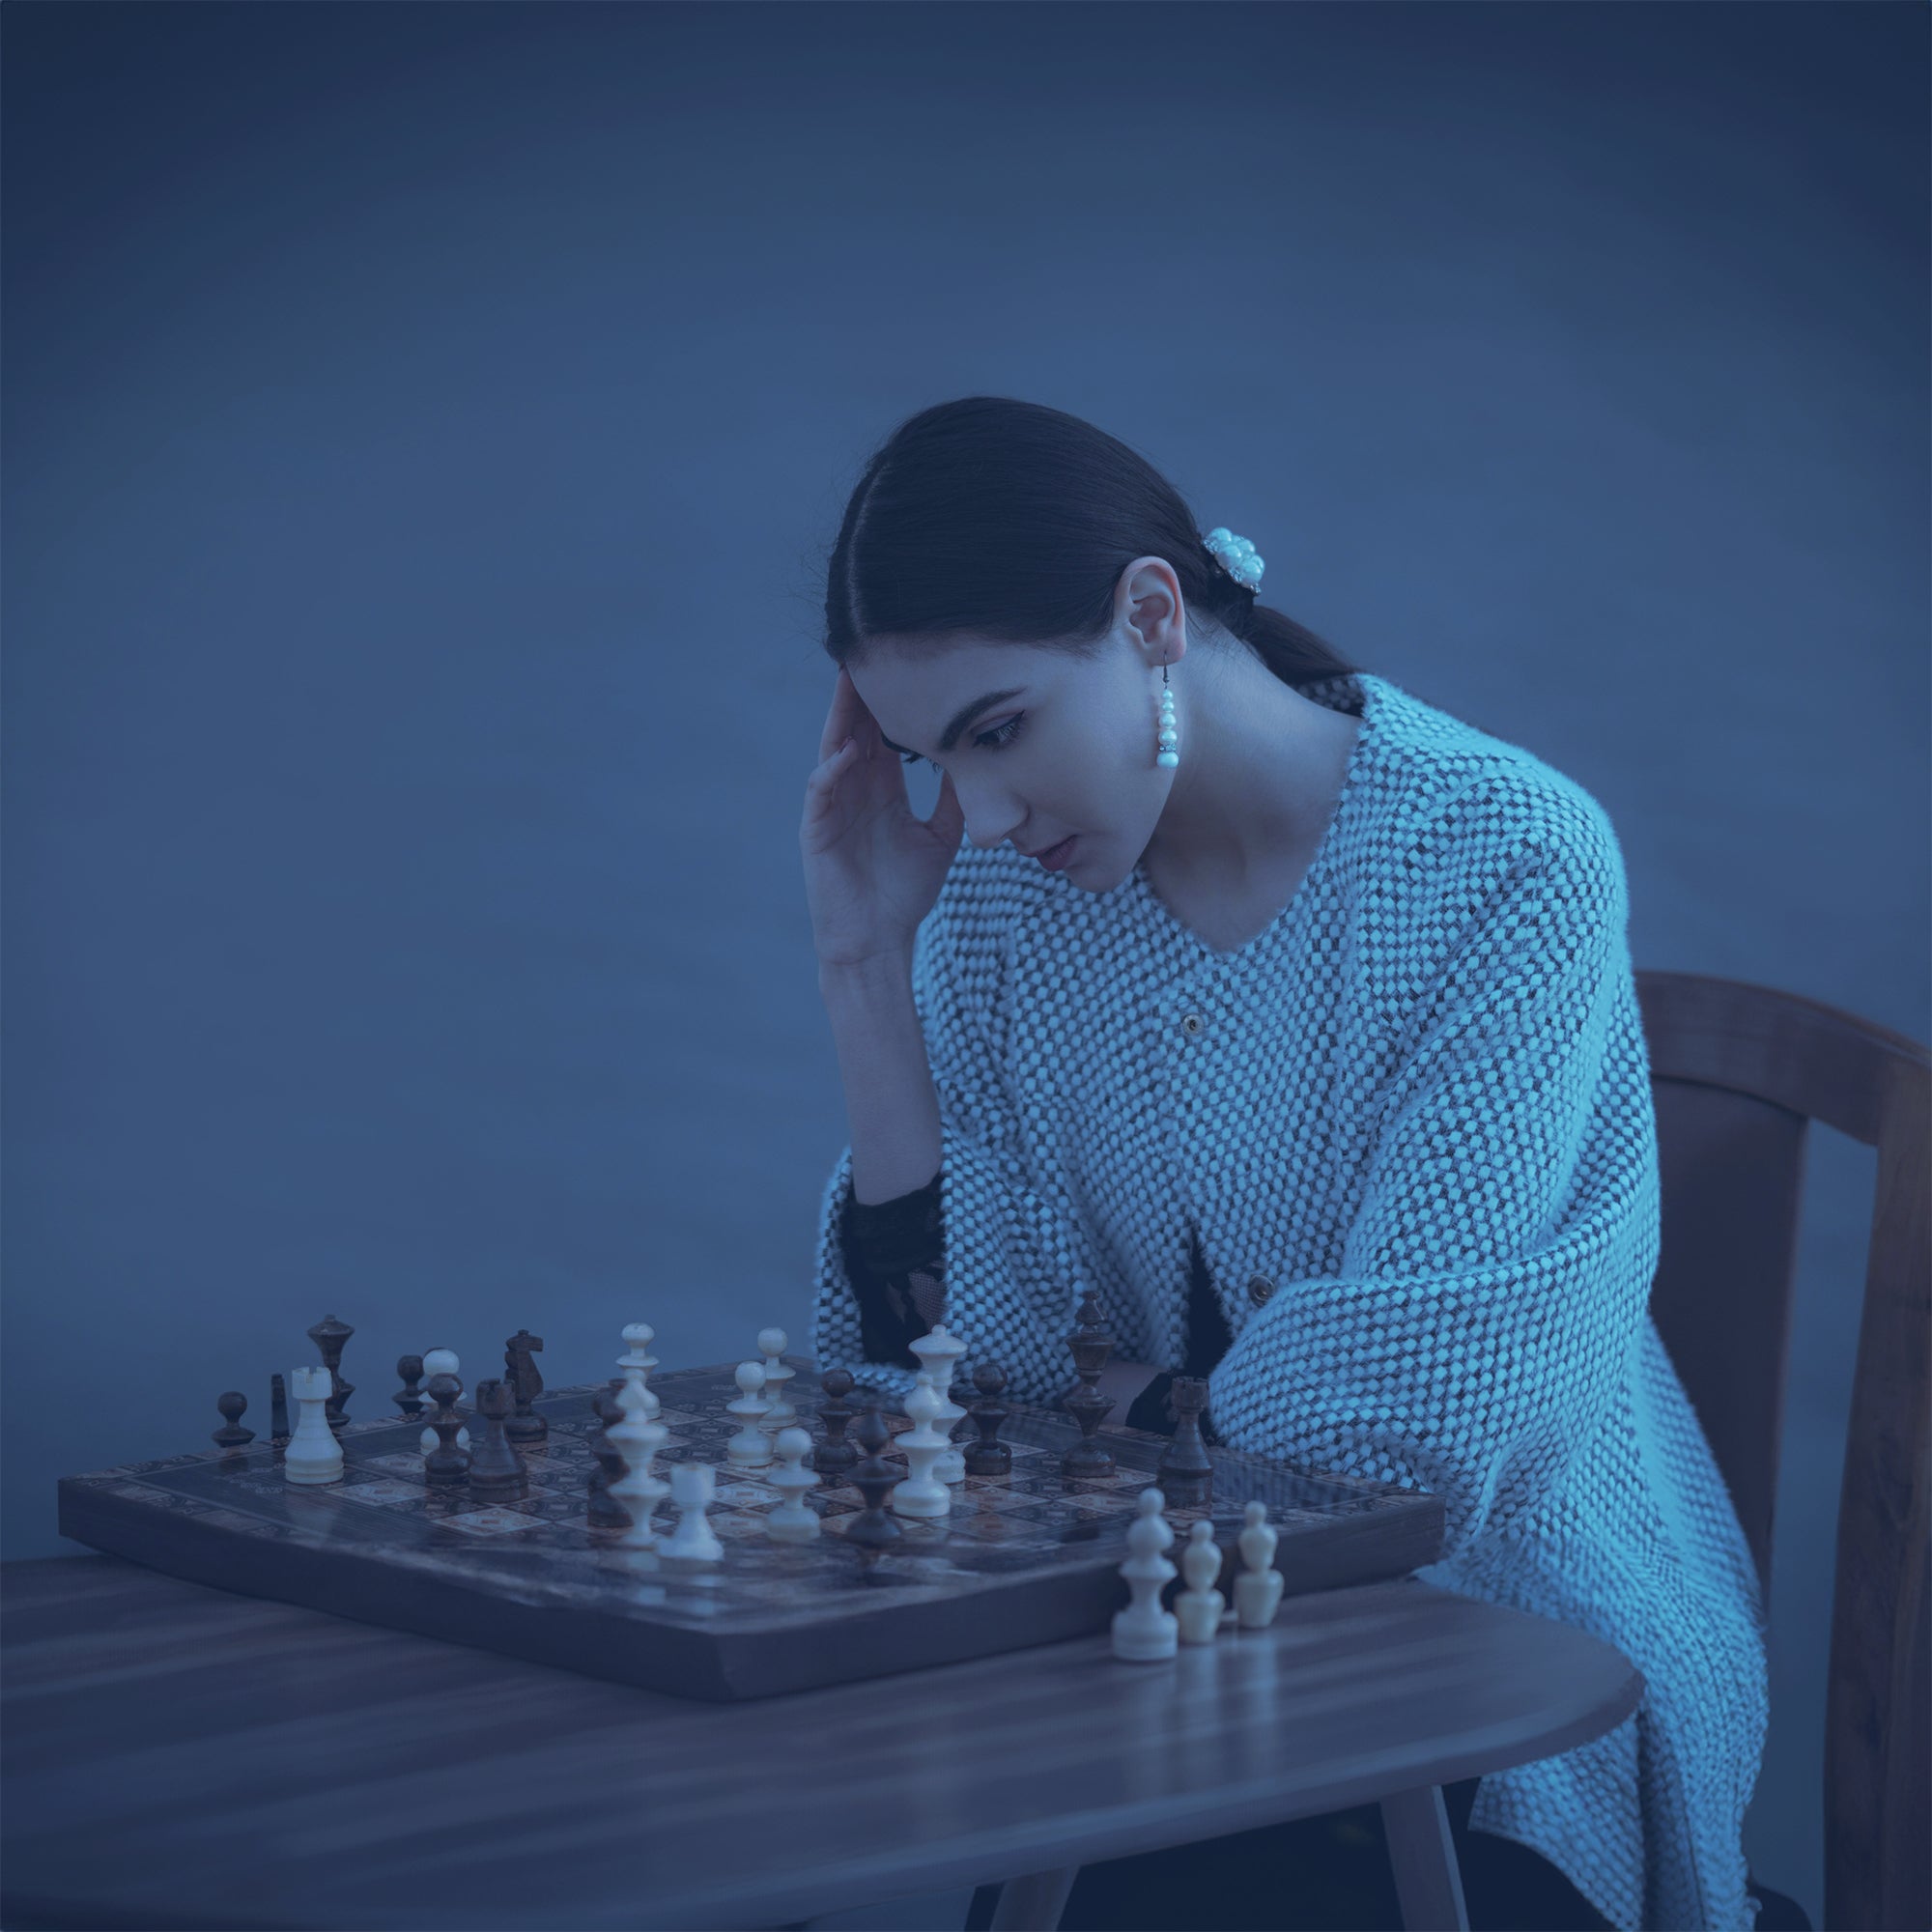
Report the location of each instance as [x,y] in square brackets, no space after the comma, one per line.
[497,1474]
[445,1464]
[231,1434]
[834,1456]
[329,1335]
[605,1511]
[525,1426]
[874,1478]
[408,1398]
[989,1456]
[1089,1459]
[1186,1473]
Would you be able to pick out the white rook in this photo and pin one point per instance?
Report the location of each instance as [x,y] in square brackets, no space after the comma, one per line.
[313,1454]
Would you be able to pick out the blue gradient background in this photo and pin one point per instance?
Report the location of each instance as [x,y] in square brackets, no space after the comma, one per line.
[425,426]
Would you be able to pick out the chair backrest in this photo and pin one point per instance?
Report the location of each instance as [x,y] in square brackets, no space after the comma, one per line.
[1738,1072]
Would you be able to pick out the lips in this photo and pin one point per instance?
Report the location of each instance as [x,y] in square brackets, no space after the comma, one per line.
[1055,857]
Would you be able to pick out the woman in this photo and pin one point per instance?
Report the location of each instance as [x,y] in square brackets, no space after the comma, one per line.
[1296,1017]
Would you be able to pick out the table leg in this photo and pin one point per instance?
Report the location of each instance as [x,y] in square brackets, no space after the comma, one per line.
[1034,1902]
[1422,1853]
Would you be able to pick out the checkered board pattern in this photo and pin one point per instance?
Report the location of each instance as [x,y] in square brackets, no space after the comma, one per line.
[1040,1549]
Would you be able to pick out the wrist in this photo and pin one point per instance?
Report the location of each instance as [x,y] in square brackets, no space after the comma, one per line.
[882,972]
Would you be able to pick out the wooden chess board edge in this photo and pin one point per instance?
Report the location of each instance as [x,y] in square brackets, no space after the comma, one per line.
[759,1659]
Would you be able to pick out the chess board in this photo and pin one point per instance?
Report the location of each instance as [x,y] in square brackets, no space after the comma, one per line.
[1022,1559]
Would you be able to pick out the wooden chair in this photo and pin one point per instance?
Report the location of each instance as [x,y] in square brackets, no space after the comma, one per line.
[1738,1072]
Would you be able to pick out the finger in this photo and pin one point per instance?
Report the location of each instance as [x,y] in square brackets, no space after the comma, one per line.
[826,772]
[848,713]
[836,726]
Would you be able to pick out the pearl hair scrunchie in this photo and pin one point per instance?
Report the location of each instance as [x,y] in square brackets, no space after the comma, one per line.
[1238,556]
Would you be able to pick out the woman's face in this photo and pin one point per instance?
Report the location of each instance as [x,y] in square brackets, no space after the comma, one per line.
[1040,747]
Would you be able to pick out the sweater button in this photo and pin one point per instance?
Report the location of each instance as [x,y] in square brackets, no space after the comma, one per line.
[1193,1023]
[1259,1287]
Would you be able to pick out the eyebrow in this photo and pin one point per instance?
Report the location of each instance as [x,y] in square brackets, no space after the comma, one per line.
[961,718]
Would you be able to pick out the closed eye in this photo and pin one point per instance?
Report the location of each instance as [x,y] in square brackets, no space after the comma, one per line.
[994,740]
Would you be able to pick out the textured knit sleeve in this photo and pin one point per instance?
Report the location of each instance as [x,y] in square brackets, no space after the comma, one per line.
[1497,1274]
[1017,1261]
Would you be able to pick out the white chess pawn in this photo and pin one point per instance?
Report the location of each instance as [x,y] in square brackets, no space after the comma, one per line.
[940,1354]
[921,1493]
[793,1519]
[442,1362]
[313,1454]
[750,1448]
[1258,1588]
[693,1538]
[781,1414]
[1144,1632]
[637,1361]
[1199,1608]
[637,1489]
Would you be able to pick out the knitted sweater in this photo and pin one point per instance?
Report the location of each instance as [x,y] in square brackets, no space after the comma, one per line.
[895,1260]
[1412,1124]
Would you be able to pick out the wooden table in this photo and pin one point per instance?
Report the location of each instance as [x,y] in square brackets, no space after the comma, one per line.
[177,1756]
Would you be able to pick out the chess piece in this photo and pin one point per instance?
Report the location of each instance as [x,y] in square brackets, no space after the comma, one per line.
[497,1474]
[1199,1608]
[1090,1458]
[1144,1632]
[792,1520]
[520,1372]
[1184,1474]
[922,1494]
[449,1463]
[278,1412]
[231,1434]
[1258,1588]
[408,1398]
[781,1414]
[989,1456]
[329,1335]
[636,1362]
[444,1362]
[694,1539]
[834,1456]
[608,1465]
[872,1476]
[750,1448]
[314,1455]
[939,1354]
[637,1489]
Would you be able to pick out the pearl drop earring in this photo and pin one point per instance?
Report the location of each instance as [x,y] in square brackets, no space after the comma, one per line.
[1169,737]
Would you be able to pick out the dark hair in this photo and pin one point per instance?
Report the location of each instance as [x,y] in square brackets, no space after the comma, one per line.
[1011,520]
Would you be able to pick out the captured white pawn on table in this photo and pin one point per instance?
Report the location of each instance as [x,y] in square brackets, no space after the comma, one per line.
[921,1493]
[313,1454]
[750,1448]
[442,1362]
[1258,1588]
[1200,1607]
